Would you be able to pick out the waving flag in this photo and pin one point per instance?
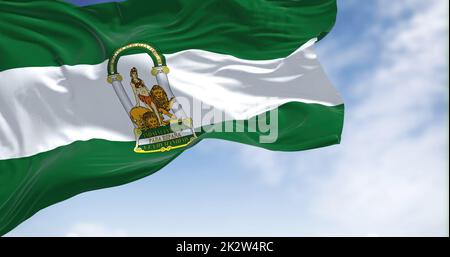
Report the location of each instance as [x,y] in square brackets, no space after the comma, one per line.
[98,96]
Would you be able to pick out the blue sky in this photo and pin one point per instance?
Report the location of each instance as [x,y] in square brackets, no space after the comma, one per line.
[389,176]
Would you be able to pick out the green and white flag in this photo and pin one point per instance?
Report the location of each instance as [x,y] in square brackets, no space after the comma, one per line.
[98,96]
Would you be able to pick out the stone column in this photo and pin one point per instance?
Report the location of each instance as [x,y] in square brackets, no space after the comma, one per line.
[120,92]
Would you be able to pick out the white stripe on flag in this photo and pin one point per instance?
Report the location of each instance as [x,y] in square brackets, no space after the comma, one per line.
[42,108]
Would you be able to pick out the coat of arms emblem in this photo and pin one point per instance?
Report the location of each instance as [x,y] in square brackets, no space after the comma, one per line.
[160,123]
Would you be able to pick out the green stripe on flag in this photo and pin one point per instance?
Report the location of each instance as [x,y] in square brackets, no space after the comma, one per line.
[50,33]
[31,183]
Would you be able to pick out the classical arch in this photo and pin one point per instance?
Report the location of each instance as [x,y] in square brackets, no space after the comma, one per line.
[159,61]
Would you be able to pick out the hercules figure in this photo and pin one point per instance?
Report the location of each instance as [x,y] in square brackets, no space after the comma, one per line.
[141,93]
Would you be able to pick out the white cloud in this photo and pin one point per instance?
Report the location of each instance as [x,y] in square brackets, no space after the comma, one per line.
[93,230]
[390,174]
